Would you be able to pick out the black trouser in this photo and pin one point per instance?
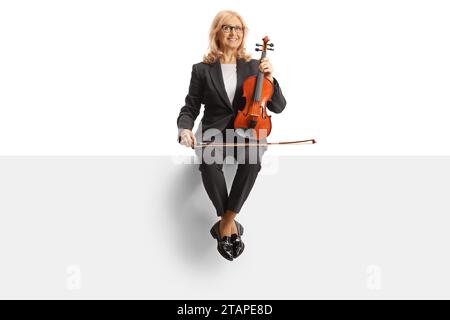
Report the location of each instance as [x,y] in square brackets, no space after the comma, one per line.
[213,178]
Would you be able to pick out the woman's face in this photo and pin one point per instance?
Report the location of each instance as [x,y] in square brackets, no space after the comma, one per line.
[231,34]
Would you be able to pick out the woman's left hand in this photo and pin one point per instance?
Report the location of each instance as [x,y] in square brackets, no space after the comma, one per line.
[266,67]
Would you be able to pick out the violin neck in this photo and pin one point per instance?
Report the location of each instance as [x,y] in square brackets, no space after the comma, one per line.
[259,82]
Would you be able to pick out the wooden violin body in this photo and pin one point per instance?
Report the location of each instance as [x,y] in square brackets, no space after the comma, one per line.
[254,115]
[252,121]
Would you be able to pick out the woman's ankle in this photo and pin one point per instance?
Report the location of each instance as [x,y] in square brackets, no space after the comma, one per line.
[229,215]
[225,228]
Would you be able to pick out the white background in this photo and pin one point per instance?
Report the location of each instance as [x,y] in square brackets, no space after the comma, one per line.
[109,77]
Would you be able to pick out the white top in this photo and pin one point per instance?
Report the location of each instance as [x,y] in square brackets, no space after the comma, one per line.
[229,79]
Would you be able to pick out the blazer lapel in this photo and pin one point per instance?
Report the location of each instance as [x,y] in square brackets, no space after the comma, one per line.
[217,79]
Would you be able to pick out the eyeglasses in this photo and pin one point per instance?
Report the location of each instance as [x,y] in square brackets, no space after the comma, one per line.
[227,28]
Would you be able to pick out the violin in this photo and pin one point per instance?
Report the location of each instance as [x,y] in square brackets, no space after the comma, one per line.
[252,121]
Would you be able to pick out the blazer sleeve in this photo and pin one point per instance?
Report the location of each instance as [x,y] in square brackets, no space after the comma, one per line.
[191,109]
[278,102]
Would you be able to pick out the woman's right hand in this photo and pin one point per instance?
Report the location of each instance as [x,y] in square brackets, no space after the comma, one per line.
[187,138]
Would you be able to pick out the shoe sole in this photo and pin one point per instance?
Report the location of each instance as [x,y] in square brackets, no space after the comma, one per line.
[240,228]
[213,234]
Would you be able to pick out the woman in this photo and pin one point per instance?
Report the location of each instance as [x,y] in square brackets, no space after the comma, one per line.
[217,83]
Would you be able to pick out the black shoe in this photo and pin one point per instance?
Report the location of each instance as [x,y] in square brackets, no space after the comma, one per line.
[238,244]
[224,246]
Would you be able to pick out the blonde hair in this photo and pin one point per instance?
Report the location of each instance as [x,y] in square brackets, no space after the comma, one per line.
[214,45]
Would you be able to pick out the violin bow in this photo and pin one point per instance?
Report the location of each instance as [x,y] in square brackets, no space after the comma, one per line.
[297,142]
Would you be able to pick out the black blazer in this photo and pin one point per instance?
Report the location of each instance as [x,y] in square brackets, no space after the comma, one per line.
[207,87]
